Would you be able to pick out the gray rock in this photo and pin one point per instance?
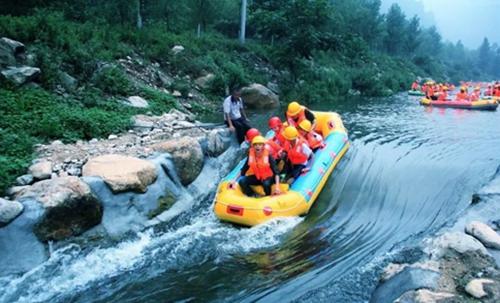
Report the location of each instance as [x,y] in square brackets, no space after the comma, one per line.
[425,296]
[9,50]
[204,81]
[217,142]
[458,241]
[41,170]
[165,80]
[260,97]
[69,208]
[112,137]
[136,101]
[408,279]
[187,156]
[9,210]
[177,49]
[25,180]
[14,191]
[21,75]
[67,81]
[483,233]
[141,122]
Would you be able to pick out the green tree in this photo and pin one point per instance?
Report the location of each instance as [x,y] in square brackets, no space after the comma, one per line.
[395,30]
[484,55]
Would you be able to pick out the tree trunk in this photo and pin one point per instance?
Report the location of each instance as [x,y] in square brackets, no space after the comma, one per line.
[139,16]
[243,20]
[198,30]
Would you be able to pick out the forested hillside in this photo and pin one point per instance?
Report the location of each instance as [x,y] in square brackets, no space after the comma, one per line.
[93,54]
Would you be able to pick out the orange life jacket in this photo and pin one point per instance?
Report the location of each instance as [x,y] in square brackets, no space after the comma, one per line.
[297,119]
[497,92]
[462,96]
[259,166]
[295,153]
[430,92]
[414,86]
[314,140]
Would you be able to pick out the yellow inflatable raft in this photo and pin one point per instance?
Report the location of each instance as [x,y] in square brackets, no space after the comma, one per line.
[233,206]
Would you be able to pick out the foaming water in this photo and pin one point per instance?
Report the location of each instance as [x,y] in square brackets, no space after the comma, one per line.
[409,171]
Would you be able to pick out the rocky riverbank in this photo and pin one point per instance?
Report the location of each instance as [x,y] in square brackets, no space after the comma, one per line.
[459,264]
[107,188]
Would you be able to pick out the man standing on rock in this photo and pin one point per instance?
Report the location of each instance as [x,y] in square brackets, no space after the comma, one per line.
[234,115]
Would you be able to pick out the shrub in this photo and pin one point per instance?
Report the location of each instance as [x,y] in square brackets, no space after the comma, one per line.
[114,81]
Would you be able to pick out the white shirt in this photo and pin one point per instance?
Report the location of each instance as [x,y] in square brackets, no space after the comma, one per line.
[307,151]
[233,109]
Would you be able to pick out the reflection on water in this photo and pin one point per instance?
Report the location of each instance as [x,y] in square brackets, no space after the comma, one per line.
[410,169]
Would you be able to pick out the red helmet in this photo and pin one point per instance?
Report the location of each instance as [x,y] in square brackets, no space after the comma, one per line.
[274,122]
[252,133]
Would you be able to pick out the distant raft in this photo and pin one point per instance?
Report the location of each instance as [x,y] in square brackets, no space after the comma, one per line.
[416,93]
[233,206]
[479,105]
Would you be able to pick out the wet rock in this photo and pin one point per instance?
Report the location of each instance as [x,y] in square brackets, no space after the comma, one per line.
[408,279]
[131,211]
[475,287]
[122,173]
[41,170]
[187,156]
[136,101]
[260,97]
[425,296]
[204,81]
[25,180]
[457,241]
[9,210]
[483,233]
[21,75]
[69,208]
[20,250]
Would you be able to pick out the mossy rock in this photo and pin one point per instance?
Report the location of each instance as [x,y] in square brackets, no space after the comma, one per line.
[164,203]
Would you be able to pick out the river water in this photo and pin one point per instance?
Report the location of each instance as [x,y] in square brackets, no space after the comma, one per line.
[409,171]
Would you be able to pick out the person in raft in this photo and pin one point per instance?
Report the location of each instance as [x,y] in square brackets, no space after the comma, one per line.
[415,86]
[298,154]
[259,169]
[296,113]
[234,115]
[462,95]
[312,138]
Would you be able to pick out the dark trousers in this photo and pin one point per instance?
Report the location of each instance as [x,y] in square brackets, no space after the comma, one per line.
[293,171]
[246,181]
[241,126]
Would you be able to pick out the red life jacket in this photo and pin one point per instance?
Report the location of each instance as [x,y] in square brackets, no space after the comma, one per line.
[497,92]
[474,96]
[278,138]
[259,166]
[414,86]
[462,96]
[430,92]
[314,140]
[295,153]
[274,148]
[443,96]
[297,119]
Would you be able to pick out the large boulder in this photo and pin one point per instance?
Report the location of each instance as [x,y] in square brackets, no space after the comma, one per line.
[122,173]
[187,156]
[21,75]
[483,233]
[136,101]
[260,97]
[69,207]
[9,50]
[216,142]
[41,170]
[9,210]
[204,81]
[457,241]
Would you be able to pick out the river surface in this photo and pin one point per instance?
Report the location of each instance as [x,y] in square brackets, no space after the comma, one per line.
[409,171]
